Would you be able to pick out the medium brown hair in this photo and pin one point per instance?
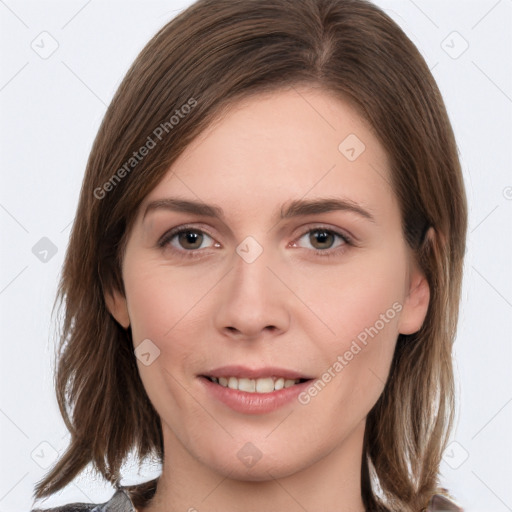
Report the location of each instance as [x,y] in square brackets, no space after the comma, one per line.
[210,56]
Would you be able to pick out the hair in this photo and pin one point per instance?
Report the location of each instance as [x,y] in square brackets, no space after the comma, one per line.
[213,54]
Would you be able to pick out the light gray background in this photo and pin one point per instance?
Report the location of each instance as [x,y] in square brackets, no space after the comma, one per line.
[51,109]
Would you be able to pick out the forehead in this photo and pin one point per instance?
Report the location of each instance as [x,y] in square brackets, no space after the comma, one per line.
[279,146]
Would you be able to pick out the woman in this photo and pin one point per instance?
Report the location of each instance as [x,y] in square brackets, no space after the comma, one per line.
[263,278]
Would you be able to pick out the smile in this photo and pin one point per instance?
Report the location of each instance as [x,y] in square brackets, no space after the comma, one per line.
[257,395]
[261,385]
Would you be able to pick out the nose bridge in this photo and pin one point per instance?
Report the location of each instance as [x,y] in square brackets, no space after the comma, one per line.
[253,299]
[251,277]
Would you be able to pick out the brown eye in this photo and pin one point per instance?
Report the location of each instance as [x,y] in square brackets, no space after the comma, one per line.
[187,240]
[190,239]
[324,242]
[322,238]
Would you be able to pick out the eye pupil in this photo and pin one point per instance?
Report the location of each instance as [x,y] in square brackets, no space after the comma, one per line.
[323,237]
[191,237]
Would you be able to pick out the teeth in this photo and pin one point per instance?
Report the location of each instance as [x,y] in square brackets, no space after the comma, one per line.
[248,385]
[263,385]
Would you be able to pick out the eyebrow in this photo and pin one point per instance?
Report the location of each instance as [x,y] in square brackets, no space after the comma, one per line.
[296,208]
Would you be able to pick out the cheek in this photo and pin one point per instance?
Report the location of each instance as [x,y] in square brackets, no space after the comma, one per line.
[168,307]
[160,313]
[361,305]
[352,298]
[163,299]
[355,366]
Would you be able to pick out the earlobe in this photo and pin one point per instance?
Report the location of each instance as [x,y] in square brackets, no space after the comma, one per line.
[117,306]
[416,304]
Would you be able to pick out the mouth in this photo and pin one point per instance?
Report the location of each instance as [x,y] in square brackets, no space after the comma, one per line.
[260,385]
[250,390]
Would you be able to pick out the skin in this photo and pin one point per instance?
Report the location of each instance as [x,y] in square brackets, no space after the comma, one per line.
[291,307]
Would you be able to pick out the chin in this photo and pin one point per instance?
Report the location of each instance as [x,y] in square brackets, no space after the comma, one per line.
[251,465]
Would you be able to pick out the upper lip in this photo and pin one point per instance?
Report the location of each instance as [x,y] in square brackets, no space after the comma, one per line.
[255,373]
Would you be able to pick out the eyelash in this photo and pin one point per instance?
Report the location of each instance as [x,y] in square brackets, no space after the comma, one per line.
[195,253]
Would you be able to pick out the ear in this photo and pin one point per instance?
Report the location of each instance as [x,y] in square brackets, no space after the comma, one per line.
[118,308]
[416,302]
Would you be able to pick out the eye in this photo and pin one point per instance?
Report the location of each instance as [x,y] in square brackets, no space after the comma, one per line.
[324,241]
[186,239]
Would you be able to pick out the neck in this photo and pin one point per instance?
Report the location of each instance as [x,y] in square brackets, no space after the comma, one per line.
[330,484]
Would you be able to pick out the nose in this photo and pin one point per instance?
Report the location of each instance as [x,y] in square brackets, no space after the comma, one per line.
[253,301]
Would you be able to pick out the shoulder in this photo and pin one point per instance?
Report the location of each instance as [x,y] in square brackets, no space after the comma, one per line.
[73,507]
[442,503]
[120,502]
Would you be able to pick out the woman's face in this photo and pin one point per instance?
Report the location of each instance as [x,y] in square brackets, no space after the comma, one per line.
[296,269]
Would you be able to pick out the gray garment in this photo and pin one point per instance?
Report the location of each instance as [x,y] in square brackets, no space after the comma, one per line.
[120,502]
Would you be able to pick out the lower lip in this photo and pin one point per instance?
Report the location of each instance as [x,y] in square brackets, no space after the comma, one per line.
[253,403]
